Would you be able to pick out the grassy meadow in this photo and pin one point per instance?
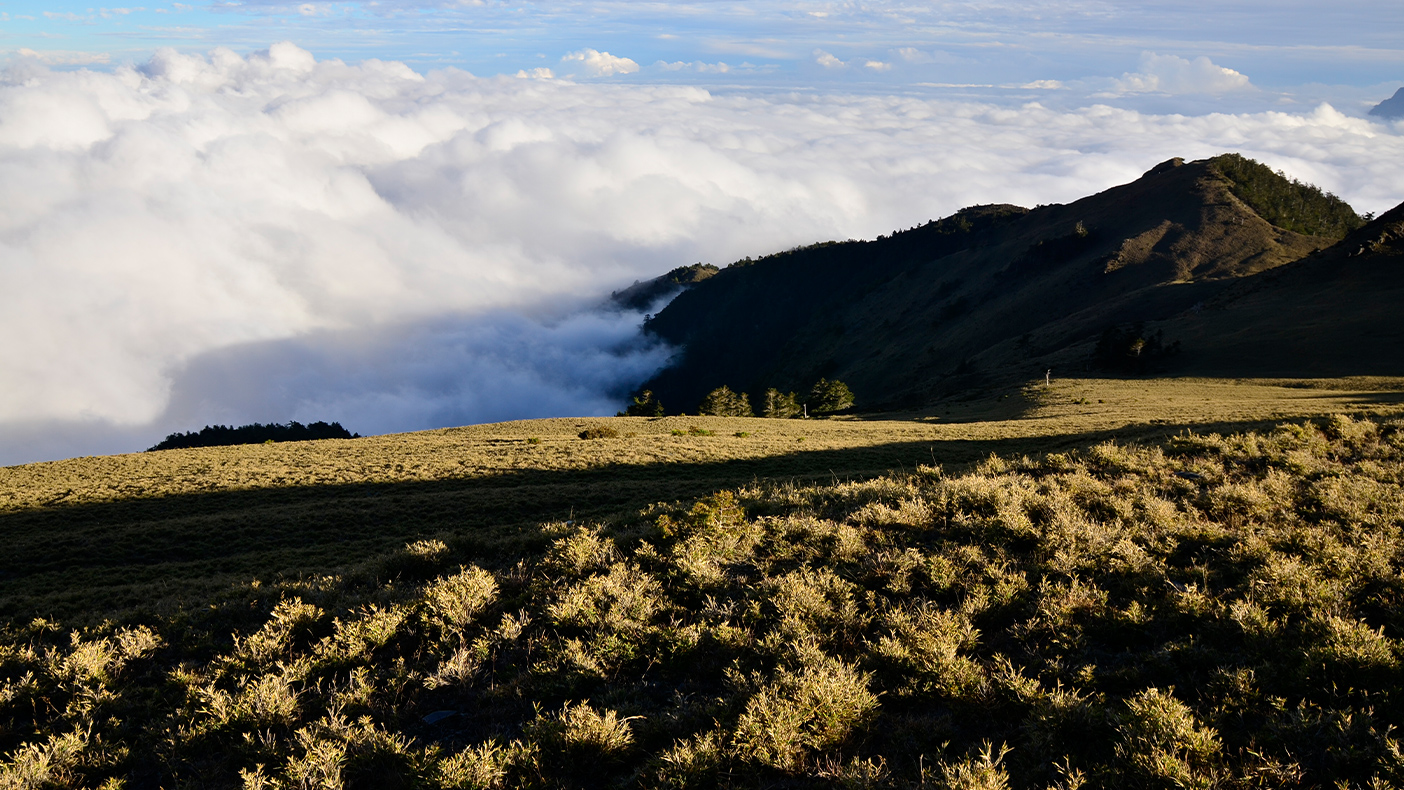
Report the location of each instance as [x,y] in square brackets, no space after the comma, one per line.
[88,538]
[1097,583]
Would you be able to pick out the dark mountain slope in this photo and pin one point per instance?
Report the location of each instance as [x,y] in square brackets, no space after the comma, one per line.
[992,291]
[1335,313]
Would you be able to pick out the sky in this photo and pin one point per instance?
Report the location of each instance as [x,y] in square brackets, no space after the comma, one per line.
[1285,47]
[405,215]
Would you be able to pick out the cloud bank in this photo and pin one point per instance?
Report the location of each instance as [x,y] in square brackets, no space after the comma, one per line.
[271,237]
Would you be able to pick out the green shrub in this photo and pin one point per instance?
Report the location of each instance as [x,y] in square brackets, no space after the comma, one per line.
[1163,744]
[599,432]
[803,714]
[417,560]
[981,772]
[454,601]
[580,741]
[482,767]
[691,762]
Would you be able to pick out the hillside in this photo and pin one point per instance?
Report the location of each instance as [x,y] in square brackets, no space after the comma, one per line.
[1332,313]
[993,293]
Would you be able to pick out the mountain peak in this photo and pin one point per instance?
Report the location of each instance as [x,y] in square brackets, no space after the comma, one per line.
[1393,107]
[1169,164]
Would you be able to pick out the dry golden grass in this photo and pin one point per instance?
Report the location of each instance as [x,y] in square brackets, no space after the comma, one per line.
[91,536]
[1067,408]
[1207,611]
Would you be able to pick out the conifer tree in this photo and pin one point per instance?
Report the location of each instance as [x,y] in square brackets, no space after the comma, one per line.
[644,405]
[827,397]
[722,402]
[779,405]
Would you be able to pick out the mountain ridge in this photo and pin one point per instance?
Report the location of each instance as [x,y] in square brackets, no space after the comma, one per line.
[990,293]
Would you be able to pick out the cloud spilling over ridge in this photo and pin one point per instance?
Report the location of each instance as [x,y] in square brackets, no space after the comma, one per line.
[451,370]
[386,230]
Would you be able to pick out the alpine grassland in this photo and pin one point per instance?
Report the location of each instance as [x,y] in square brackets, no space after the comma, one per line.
[1039,588]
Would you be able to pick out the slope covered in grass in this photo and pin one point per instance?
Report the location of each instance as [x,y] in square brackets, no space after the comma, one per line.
[1207,611]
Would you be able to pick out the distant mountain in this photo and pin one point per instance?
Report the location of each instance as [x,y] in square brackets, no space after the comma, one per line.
[1393,107]
[993,292]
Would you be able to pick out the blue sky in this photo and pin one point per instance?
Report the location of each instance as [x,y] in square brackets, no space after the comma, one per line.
[1287,47]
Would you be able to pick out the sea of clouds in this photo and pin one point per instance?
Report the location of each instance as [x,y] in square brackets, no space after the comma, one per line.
[229,238]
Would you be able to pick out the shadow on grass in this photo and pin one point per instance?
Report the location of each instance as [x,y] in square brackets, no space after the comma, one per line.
[80,562]
[1377,398]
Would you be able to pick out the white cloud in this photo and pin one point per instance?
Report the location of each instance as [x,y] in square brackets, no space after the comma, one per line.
[828,60]
[1174,74]
[386,231]
[1044,85]
[600,64]
[831,62]
[538,73]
